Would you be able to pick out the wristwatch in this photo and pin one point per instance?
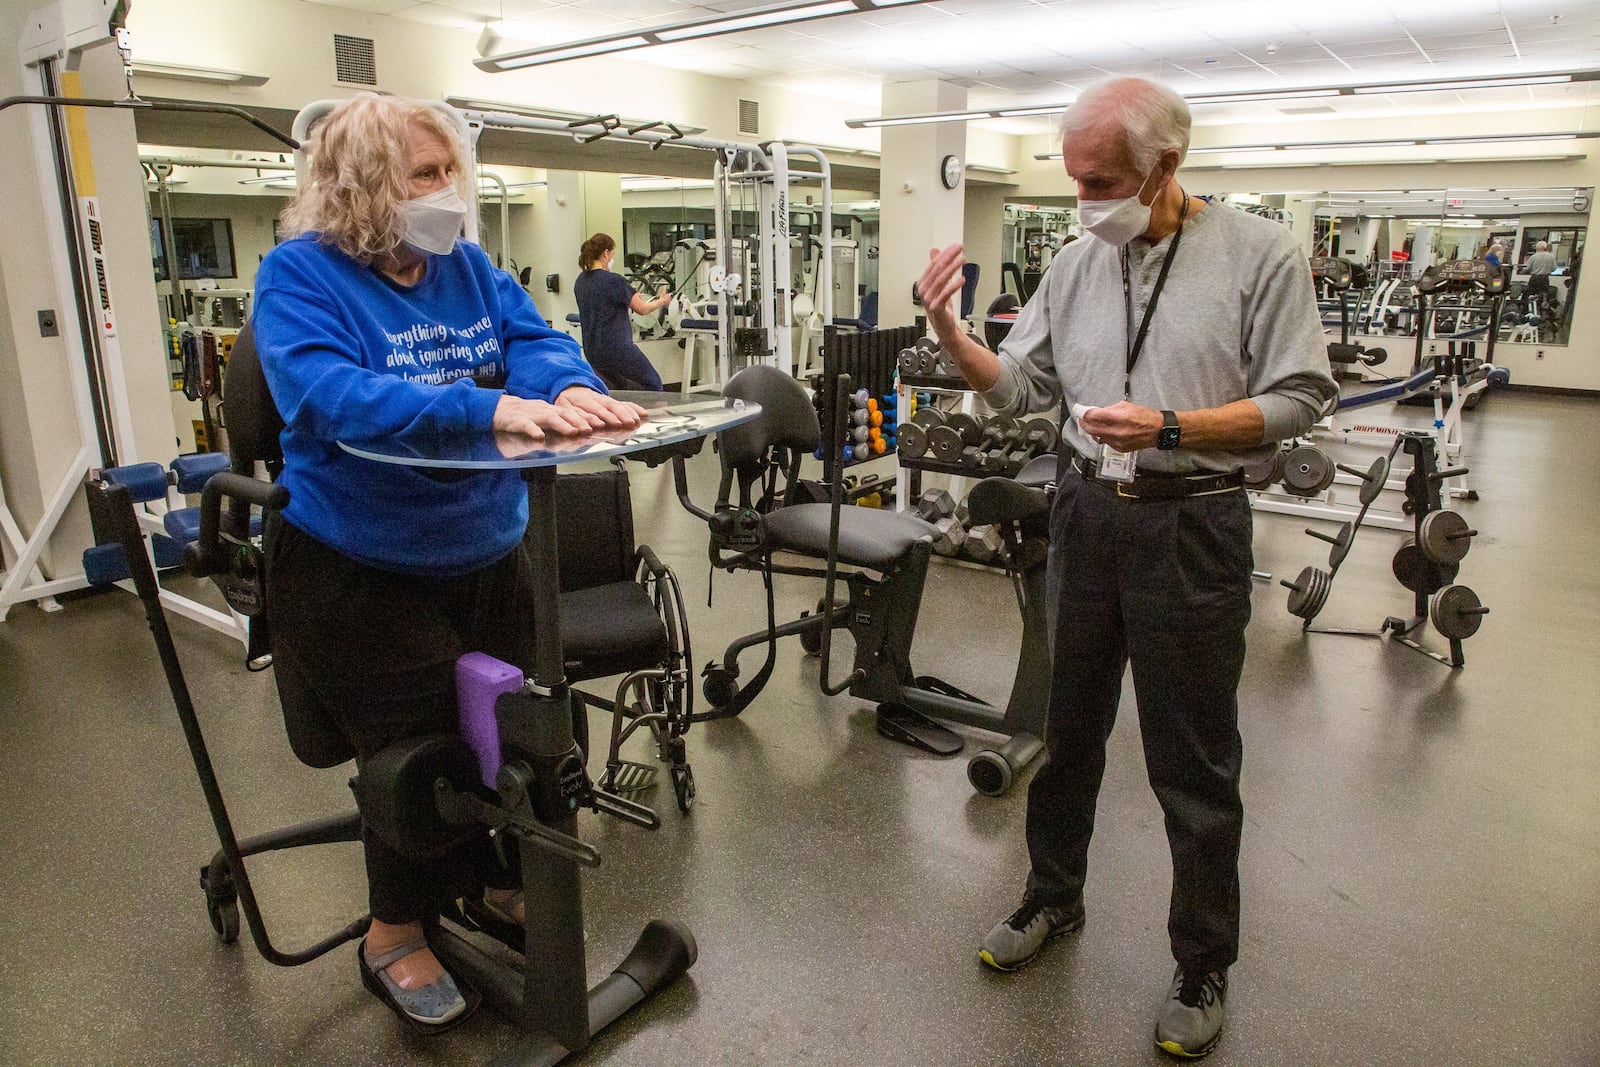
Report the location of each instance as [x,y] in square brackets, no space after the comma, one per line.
[1167,437]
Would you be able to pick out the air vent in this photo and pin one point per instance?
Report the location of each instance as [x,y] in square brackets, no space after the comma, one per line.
[353,60]
[1314,109]
[749,116]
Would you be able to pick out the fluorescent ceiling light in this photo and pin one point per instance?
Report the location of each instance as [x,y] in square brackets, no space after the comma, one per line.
[759,20]
[189,72]
[469,103]
[1462,83]
[692,30]
[1265,94]
[1397,142]
[265,179]
[1248,96]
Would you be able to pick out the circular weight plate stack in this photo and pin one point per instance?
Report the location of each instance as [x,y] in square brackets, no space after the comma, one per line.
[1309,592]
[913,441]
[1418,573]
[1456,612]
[1267,472]
[1341,549]
[1373,483]
[928,418]
[1307,470]
[1444,537]
[945,444]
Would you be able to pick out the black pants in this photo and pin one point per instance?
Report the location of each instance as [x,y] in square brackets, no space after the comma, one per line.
[626,368]
[378,651]
[1164,584]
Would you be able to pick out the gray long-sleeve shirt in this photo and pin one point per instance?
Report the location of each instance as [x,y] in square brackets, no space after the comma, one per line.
[1237,318]
[1538,263]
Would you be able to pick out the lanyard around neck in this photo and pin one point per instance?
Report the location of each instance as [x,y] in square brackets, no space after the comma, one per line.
[1136,345]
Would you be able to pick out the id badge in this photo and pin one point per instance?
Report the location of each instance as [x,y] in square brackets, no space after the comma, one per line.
[1117,466]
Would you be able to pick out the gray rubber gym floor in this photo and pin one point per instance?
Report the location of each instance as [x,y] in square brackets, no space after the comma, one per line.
[1421,862]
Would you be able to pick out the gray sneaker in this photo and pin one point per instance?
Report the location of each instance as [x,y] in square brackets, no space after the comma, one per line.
[1191,1021]
[1013,944]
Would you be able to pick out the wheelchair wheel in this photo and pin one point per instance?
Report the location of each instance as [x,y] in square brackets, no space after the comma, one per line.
[683,787]
[811,640]
[224,916]
[720,687]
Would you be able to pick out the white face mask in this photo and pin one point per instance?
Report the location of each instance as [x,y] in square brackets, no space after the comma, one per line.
[431,223]
[1116,222]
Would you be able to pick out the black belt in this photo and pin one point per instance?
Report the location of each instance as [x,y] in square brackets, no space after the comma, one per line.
[1161,485]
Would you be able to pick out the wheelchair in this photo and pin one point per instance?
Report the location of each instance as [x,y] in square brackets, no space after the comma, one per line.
[421,795]
[765,511]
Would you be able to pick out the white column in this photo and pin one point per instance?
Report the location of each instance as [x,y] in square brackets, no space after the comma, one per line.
[917,211]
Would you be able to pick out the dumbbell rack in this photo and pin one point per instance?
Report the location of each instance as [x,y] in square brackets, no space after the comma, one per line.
[1426,564]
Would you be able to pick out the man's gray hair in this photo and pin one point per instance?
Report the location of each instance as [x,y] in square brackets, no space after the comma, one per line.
[1153,118]
[1542,246]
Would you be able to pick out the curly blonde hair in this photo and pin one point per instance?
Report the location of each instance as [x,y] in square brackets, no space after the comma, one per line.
[360,170]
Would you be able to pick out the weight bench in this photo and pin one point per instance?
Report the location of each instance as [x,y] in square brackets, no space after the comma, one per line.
[885,555]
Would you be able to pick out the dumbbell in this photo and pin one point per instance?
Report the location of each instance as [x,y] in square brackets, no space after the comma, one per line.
[993,459]
[950,536]
[935,504]
[995,435]
[949,441]
[1037,436]
[984,543]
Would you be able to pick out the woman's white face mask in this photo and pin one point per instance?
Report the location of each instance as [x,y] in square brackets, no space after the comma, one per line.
[1116,222]
[431,224]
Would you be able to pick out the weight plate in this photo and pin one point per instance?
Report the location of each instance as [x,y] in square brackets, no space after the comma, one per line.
[1373,483]
[945,444]
[926,344]
[1418,573]
[1308,593]
[1444,536]
[965,426]
[908,361]
[1456,612]
[1341,549]
[913,442]
[928,418]
[1306,470]
[1264,473]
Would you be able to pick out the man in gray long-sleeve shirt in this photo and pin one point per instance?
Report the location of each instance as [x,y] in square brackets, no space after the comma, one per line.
[1183,342]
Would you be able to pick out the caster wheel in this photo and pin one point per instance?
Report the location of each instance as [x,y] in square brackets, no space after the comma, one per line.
[720,687]
[683,787]
[224,916]
[810,640]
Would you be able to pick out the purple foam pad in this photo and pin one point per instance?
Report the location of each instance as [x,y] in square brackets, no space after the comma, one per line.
[480,680]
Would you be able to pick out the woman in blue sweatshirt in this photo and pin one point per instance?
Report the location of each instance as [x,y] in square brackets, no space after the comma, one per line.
[374,320]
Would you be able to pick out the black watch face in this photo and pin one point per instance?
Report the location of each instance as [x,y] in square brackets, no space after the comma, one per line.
[1167,437]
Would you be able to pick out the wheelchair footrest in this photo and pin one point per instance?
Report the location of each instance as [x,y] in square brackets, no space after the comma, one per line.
[908,726]
[626,776]
[945,689]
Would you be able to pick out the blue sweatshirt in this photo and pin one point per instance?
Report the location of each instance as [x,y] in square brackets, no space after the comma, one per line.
[350,354]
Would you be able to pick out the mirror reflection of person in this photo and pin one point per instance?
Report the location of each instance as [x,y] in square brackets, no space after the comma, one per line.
[1495,254]
[604,300]
[1540,266]
[373,319]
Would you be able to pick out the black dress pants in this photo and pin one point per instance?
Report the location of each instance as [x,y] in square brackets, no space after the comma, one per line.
[378,651]
[1165,584]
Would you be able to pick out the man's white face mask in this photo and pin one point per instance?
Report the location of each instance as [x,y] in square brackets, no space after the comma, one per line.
[1116,222]
[431,223]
